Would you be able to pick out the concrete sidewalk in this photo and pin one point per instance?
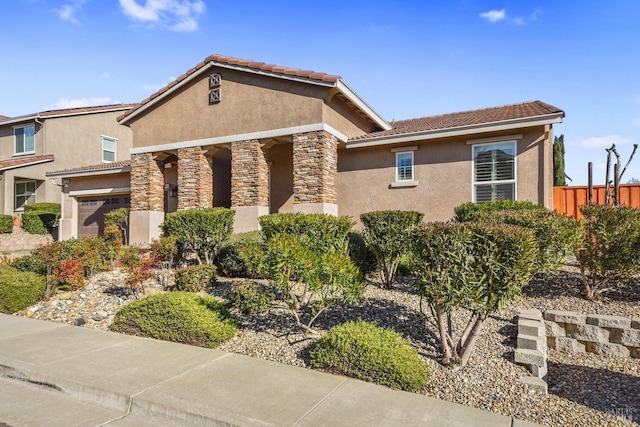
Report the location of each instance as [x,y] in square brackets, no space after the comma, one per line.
[59,375]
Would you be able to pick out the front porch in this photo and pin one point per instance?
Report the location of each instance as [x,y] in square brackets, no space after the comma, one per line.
[255,177]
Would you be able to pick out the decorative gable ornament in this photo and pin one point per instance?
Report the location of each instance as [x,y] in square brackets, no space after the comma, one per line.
[214,88]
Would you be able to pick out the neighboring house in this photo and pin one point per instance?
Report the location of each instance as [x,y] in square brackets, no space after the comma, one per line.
[33,144]
[260,138]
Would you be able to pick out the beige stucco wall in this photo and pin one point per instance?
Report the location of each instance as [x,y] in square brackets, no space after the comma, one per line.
[443,170]
[342,117]
[74,141]
[249,103]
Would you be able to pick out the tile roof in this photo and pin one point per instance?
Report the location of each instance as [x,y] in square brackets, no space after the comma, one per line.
[466,118]
[4,117]
[92,168]
[85,110]
[24,161]
[241,63]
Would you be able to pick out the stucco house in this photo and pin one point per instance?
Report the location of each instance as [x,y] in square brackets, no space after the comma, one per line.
[33,144]
[261,138]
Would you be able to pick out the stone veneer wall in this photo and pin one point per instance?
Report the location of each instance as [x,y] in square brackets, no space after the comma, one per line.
[249,174]
[595,333]
[147,183]
[195,179]
[315,167]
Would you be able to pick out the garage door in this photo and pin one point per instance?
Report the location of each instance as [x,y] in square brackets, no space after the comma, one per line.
[91,212]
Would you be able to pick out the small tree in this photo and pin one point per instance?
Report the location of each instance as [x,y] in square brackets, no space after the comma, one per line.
[118,218]
[610,254]
[559,179]
[201,230]
[474,267]
[308,281]
[387,233]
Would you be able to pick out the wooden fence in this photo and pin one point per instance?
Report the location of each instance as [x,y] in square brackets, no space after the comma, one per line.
[567,200]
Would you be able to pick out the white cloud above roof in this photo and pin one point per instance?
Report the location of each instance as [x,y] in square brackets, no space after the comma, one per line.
[68,11]
[494,15]
[177,15]
[602,141]
[84,102]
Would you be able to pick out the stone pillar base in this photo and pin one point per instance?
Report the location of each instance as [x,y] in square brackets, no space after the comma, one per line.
[308,208]
[246,218]
[144,226]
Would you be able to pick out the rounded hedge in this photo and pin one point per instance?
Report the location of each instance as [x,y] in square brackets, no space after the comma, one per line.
[368,352]
[19,289]
[250,297]
[196,278]
[181,317]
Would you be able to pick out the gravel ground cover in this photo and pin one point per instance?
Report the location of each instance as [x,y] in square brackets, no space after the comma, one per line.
[584,389]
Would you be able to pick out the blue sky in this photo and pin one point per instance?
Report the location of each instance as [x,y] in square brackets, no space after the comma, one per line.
[407,59]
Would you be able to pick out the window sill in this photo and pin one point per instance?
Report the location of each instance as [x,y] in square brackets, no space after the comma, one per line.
[402,184]
[26,153]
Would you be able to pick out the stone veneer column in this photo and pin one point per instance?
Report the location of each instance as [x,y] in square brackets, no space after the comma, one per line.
[249,184]
[315,171]
[195,179]
[147,199]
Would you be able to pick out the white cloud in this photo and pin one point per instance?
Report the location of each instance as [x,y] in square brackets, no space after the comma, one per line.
[67,12]
[535,14]
[602,141]
[105,75]
[177,15]
[84,102]
[494,15]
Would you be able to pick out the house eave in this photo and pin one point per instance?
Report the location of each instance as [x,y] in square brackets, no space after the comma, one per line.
[25,165]
[458,131]
[98,172]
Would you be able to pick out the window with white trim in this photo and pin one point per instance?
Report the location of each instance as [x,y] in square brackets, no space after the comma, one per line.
[494,172]
[404,166]
[25,193]
[108,149]
[24,139]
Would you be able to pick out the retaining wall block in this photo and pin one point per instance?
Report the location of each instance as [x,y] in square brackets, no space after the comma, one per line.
[569,345]
[539,371]
[608,349]
[551,342]
[530,357]
[628,337]
[559,316]
[537,383]
[605,321]
[588,333]
[530,314]
[532,343]
[531,327]
[635,323]
[554,329]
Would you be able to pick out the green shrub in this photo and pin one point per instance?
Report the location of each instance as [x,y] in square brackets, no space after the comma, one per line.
[177,316]
[250,297]
[387,235]
[19,289]
[118,218]
[610,253]
[6,224]
[465,212]
[196,278]
[40,218]
[321,232]
[164,251]
[232,260]
[325,279]
[557,235]
[371,353]
[360,253]
[477,268]
[202,230]
[31,263]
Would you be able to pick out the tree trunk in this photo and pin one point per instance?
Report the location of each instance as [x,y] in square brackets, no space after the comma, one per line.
[470,342]
[442,327]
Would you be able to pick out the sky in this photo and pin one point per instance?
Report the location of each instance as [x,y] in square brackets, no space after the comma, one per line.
[406,59]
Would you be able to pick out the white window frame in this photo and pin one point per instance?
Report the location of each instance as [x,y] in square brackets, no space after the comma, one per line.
[114,151]
[513,181]
[407,182]
[15,141]
[26,195]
